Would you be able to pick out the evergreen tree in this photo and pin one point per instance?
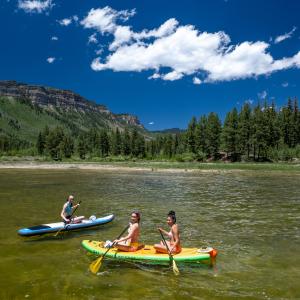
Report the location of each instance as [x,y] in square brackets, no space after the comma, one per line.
[230,134]
[260,134]
[287,124]
[200,135]
[82,146]
[213,132]
[191,136]
[245,130]
[168,147]
[67,146]
[104,143]
[117,143]
[41,143]
[296,122]
[126,146]
[53,143]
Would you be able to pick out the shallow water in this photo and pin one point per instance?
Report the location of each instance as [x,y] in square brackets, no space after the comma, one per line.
[252,218]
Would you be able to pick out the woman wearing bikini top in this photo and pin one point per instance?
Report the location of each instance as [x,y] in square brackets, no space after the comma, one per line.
[130,243]
[174,243]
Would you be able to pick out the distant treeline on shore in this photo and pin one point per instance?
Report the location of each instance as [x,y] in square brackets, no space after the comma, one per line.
[260,133]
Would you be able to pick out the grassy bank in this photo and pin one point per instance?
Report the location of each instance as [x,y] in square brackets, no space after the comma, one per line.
[147,164]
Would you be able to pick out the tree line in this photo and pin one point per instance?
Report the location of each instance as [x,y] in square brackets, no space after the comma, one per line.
[259,133]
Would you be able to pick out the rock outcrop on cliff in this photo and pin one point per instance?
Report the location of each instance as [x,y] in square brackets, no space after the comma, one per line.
[66,101]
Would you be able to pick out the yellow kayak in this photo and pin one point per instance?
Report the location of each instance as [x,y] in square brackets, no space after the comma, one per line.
[149,255]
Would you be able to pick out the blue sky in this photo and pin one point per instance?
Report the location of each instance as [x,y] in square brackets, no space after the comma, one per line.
[164,61]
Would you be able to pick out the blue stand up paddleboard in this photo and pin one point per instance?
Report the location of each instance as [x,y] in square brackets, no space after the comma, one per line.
[79,223]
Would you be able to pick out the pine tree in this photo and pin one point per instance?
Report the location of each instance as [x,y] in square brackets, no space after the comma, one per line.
[213,132]
[117,142]
[168,147]
[82,146]
[200,135]
[296,122]
[230,135]
[287,124]
[191,136]
[260,134]
[104,143]
[245,130]
[40,144]
[53,143]
[126,145]
[67,146]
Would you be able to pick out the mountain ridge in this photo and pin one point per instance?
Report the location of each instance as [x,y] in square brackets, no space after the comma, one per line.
[51,98]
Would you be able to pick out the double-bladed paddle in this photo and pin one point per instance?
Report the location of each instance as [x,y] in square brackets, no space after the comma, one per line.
[172,261]
[96,264]
[66,225]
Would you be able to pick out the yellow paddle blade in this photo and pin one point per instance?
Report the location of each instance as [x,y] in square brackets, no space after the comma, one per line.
[96,264]
[175,269]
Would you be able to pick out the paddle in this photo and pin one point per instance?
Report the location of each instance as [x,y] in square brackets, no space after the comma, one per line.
[66,225]
[172,261]
[96,264]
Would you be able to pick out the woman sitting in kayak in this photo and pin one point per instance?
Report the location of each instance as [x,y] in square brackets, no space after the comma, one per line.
[130,243]
[67,210]
[174,243]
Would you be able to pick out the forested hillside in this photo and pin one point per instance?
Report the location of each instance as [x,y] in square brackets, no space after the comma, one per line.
[69,129]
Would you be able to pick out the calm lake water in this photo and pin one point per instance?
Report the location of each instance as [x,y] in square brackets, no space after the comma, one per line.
[251,217]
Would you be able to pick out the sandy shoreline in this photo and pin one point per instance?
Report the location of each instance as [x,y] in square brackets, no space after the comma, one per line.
[102,167]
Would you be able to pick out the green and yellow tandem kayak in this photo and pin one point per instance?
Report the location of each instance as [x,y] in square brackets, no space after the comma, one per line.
[148,254]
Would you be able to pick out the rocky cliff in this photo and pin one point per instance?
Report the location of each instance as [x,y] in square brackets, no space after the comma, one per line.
[49,98]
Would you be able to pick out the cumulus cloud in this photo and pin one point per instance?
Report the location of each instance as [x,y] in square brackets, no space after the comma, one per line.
[104,19]
[154,76]
[68,21]
[35,6]
[197,80]
[183,50]
[54,38]
[285,36]
[65,21]
[50,60]
[151,123]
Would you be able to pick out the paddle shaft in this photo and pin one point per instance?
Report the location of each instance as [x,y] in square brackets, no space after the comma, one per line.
[66,225]
[116,239]
[164,241]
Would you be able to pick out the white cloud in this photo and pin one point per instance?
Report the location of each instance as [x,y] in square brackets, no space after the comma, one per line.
[65,21]
[165,29]
[122,35]
[50,60]
[35,6]
[151,123]
[54,38]
[93,39]
[182,49]
[285,84]
[154,76]
[285,36]
[104,19]
[174,75]
[262,95]
[196,80]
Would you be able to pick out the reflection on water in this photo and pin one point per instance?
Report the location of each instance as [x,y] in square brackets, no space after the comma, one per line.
[252,218]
